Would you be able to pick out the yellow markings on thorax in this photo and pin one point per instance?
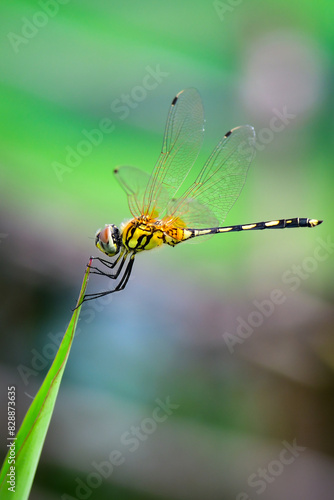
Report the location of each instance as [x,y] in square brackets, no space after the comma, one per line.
[141,235]
[146,233]
[248,226]
[272,223]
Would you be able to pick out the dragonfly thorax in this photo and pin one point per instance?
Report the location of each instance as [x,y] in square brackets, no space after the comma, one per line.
[142,233]
[109,240]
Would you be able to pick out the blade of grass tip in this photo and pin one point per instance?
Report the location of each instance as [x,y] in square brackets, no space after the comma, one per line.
[28,444]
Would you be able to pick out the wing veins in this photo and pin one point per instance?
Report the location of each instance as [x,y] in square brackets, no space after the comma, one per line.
[228,169]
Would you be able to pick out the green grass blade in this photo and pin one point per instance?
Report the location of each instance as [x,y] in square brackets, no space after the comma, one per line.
[31,435]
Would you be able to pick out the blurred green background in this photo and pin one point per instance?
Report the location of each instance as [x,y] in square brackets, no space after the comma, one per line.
[240,393]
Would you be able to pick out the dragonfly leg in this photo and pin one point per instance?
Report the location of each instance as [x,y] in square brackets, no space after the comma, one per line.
[108,263]
[120,286]
[113,276]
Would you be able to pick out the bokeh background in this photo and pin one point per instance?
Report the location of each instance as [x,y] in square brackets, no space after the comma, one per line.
[68,66]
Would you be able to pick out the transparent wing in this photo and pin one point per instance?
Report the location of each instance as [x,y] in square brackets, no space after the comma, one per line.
[192,214]
[219,183]
[181,145]
[134,182]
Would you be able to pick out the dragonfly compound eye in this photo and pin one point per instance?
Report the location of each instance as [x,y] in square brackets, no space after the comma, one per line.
[108,240]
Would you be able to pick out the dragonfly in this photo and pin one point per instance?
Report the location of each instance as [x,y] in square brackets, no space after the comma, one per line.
[163,217]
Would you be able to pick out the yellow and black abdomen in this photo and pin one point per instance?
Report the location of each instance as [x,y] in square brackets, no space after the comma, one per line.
[174,235]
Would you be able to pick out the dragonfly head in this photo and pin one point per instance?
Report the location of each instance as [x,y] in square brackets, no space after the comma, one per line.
[109,240]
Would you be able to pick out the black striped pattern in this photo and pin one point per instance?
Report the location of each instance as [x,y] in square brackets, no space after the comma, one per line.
[271,224]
